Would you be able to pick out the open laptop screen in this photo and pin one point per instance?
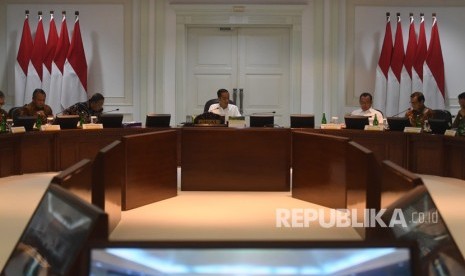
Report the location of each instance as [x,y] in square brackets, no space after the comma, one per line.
[55,235]
[253,258]
[261,120]
[67,121]
[302,121]
[111,120]
[398,123]
[356,122]
[157,120]
[26,121]
[439,254]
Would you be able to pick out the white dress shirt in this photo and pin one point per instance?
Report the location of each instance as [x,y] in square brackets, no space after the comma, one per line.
[369,113]
[230,110]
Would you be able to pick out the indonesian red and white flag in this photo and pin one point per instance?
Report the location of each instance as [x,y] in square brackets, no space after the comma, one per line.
[420,56]
[395,72]
[433,71]
[58,63]
[406,79]
[35,69]
[75,71]
[382,69]
[48,58]
[22,62]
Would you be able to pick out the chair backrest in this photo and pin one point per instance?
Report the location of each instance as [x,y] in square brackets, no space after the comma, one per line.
[14,112]
[442,114]
[213,101]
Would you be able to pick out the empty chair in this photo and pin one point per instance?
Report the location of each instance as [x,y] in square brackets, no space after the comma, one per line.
[302,121]
[14,112]
[443,115]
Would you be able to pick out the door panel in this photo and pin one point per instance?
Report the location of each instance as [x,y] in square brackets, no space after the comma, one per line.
[264,71]
[255,59]
[212,64]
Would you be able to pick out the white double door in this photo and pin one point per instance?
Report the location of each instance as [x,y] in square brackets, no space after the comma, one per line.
[254,59]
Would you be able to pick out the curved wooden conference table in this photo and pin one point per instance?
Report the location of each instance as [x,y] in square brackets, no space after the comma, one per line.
[54,151]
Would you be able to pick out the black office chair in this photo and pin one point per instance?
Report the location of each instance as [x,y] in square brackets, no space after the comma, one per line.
[443,115]
[213,101]
[14,112]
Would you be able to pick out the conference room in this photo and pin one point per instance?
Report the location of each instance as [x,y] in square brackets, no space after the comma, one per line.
[210,183]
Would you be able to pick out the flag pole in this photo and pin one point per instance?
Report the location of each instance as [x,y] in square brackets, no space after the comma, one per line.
[27,13]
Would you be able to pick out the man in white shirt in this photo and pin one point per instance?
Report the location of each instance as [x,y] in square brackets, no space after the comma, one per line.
[365,109]
[223,107]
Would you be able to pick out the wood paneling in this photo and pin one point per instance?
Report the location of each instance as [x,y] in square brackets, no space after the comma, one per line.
[150,168]
[319,169]
[227,159]
[54,151]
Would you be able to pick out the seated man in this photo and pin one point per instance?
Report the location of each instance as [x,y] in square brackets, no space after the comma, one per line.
[365,100]
[3,113]
[460,118]
[37,107]
[93,107]
[223,107]
[419,113]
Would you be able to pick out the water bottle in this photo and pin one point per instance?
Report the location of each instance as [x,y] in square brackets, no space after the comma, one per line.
[38,122]
[323,120]
[3,124]
[375,120]
[426,127]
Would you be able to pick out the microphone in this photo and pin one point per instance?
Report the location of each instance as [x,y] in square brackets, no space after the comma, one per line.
[401,112]
[263,113]
[113,110]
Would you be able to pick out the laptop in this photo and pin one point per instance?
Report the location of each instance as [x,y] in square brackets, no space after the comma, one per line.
[253,258]
[438,126]
[356,122]
[56,234]
[438,252]
[302,121]
[261,120]
[66,121]
[111,120]
[398,123]
[157,120]
[26,121]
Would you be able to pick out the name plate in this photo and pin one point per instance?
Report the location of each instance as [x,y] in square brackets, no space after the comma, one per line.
[412,129]
[374,128]
[450,132]
[209,121]
[50,127]
[92,126]
[19,129]
[331,126]
[237,122]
